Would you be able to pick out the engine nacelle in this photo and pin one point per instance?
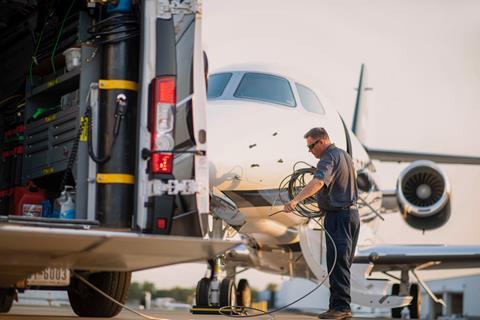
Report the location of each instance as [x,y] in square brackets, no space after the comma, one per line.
[423,194]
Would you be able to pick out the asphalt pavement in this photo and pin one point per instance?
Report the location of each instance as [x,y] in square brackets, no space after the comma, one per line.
[66,313]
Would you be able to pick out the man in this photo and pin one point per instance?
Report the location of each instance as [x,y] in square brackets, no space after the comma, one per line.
[334,183]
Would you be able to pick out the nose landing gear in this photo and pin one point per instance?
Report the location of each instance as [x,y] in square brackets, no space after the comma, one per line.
[214,293]
[244,293]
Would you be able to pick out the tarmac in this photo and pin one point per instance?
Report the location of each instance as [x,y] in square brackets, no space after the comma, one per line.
[65,313]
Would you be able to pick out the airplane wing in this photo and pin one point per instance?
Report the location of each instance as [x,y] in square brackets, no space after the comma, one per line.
[432,257]
[407,156]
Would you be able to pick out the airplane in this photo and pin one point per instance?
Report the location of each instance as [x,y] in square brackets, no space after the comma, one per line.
[256,119]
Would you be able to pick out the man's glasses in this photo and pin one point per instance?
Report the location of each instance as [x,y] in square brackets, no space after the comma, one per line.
[311,146]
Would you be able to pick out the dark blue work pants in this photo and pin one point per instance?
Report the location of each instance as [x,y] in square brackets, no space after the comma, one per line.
[343,226]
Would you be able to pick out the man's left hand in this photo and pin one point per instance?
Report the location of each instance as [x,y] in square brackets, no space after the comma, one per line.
[290,206]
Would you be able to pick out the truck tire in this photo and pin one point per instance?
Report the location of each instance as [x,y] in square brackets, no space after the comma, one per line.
[6,299]
[86,302]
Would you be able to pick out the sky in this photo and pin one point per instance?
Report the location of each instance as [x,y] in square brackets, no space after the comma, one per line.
[423,65]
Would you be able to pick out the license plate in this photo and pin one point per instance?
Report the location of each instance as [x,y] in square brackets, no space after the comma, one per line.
[50,277]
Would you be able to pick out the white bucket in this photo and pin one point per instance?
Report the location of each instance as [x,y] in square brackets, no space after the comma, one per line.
[72,58]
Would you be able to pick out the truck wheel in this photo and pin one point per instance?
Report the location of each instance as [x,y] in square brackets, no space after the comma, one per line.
[244,294]
[415,305]
[228,294]
[86,302]
[396,312]
[201,294]
[6,299]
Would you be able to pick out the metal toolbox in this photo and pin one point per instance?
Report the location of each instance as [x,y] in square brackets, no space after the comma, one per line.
[49,142]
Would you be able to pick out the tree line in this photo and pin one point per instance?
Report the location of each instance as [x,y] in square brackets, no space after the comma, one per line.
[136,292]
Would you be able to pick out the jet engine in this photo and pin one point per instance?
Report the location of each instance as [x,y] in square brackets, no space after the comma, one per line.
[423,194]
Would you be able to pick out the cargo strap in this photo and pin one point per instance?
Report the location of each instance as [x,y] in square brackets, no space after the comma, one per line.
[117,84]
[115,178]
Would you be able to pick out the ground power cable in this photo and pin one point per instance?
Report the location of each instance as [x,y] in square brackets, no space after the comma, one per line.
[87,283]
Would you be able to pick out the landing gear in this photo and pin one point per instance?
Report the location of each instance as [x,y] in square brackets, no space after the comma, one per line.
[228,293]
[396,312]
[6,299]
[214,292]
[416,303]
[415,306]
[202,292]
[86,302]
[405,288]
[219,290]
[244,294]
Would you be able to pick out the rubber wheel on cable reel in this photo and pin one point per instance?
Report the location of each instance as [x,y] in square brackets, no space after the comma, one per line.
[228,294]
[87,302]
[201,293]
[6,299]
[415,305]
[244,294]
[396,312]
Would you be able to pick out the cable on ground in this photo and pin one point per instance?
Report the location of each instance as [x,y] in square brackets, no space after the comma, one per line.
[87,283]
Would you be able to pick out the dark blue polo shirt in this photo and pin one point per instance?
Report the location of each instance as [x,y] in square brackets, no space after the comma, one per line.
[336,170]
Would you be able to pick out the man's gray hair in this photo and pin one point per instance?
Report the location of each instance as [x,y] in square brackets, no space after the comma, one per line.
[317,133]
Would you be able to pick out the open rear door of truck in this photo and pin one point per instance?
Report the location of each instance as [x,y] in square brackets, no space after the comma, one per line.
[172,167]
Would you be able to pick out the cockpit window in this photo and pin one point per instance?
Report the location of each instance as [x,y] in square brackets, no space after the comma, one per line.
[264,87]
[217,83]
[309,99]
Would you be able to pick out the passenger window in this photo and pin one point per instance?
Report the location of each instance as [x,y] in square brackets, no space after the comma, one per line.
[309,99]
[267,88]
[217,84]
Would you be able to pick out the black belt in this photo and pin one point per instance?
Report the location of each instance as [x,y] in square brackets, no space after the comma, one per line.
[346,207]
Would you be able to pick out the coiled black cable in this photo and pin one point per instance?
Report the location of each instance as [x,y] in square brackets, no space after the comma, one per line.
[292,185]
[125,25]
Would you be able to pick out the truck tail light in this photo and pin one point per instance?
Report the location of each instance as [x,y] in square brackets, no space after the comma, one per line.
[161,223]
[162,163]
[162,124]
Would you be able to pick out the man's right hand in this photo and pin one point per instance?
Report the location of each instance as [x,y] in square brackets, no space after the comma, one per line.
[290,206]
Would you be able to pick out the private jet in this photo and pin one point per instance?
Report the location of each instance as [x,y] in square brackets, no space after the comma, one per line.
[256,120]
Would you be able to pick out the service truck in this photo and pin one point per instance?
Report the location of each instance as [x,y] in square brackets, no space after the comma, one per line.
[103,167]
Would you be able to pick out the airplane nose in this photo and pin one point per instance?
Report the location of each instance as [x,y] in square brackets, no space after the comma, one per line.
[253,145]
[237,141]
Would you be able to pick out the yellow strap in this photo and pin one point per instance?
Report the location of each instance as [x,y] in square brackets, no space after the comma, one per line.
[117,84]
[115,178]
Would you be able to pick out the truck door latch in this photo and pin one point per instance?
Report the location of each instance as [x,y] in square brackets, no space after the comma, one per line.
[173,187]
